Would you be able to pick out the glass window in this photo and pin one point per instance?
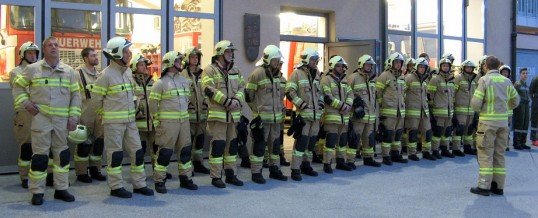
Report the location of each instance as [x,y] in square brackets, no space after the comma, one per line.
[17,27]
[452,17]
[97,2]
[302,25]
[196,32]
[199,6]
[146,36]
[475,19]
[76,30]
[454,47]
[429,46]
[475,50]
[147,4]
[399,43]
[427,13]
[399,15]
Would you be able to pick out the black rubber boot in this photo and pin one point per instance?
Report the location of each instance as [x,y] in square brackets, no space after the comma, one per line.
[231,178]
[198,167]
[327,168]
[446,153]
[24,183]
[369,161]
[217,182]
[160,187]
[395,156]
[95,173]
[185,182]
[480,191]
[258,178]
[64,196]
[351,165]
[283,161]
[50,180]
[245,162]
[37,199]
[518,147]
[468,150]
[495,189]
[296,175]
[84,178]
[317,158]
[387,161]
[121,193]
[341,165]
[144,191]
[436,154]
[428,156]
[458,153]
[413,157]
[275,173]
[307,169]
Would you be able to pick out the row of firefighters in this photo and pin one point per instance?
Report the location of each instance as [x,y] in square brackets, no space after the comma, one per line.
[124,108]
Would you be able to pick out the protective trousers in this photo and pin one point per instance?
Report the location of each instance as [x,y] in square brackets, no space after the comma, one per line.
[198,138]
[365,134]
[117,137]
[49,134]
[147,139]
[521,124]
[491,144]
[170,136]
[461,133]
[413,126]
[534,120]
[223,147]
[305,144]
[21,127]
[441,132]
[336,141]
[392,135]
[271,134]
[90,155]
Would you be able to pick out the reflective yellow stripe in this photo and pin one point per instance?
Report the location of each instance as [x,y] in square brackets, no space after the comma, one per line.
[112,115]
[297,153]
[137,169]
[230,159]
[119,88]
[99,90]
[51,82]
[256,159]
[58,111]
[79,158]
[59,169]
[327,149]
[162,115]
[274,156]
[37,174]
[160,168]
[22,163]
[184,166]
[215,160]
[113,170]
[95,158]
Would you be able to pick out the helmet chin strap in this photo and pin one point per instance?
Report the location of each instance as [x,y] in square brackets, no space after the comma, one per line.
[178,68]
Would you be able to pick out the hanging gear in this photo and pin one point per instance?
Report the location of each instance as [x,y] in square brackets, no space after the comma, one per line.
[79,135]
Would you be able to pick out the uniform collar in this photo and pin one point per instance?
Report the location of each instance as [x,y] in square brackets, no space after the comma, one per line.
[115,65]
[59,67]
[88,71]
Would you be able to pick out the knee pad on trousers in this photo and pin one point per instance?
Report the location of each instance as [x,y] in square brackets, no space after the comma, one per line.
[300,143]
[26,152]
[217,149]
[144,147]
[185,154]
[388,136]
[234,146]
[353,143]
[459,130]
[438,131]
[98,147]
[276,146]
[40,162]
[258,148]
[343,140]
[200,139]
[331,140]
[448,131]
[371,140]
[117,158]
[64,157]
[398,134]
[164,156]
[429,135]
[322,133]
[83,150]
[139,157]
[312,143]
[413,135]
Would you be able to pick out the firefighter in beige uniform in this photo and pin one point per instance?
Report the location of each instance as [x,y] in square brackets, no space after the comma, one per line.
[464,85]
[28,54]
[49,90]
[417,113]
[493,98]
[390,93]
[362,81]
[113,96]
[263,95]
[88,155]
[224,86]
[168,103]
[197,108]
[441,93]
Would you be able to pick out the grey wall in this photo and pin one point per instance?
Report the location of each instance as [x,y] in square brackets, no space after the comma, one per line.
[9,149]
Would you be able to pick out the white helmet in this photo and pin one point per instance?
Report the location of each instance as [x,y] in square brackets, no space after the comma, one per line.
[410,61]
[170,58]
[307,54]
[139,58]
[467,63]
[269,53]
[79,135]
[28,46]
[114,47]
[195,51]
[395,57]
[505,67]
[445,61]
[421,61]
[337,60]
[482,60]
[448,56]
[365,59]
[222,46]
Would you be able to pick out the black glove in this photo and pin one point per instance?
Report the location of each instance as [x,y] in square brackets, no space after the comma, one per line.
[380,131]
[455,121]
[256,127]
[352,137]
[242,130]
[296,127]
[358,107]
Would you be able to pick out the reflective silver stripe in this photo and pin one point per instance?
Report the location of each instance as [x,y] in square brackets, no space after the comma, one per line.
[520,131]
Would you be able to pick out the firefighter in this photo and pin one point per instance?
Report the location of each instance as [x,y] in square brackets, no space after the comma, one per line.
[283,81]
[197,107]
[521,118]
[303,90]
[224,86]
[417,116]
[338,98]
[533,92]
[263,95]
[49,90]
[88,155]
[409,68]
[168,104]
[464,86]
[362,81]
[441,96]
[390,91]
[493,98]
[28,53]
[506,71]
[113,95]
